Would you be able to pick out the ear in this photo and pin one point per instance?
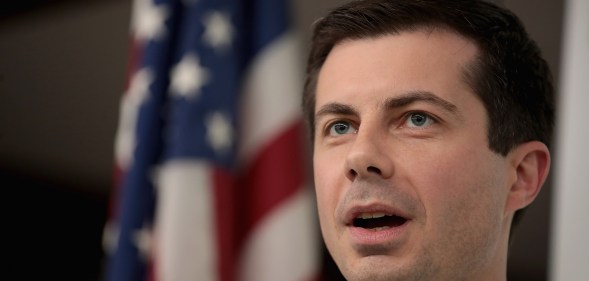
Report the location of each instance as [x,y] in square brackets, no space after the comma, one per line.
[531,163]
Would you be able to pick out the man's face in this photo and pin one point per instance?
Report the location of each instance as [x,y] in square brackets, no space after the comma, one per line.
[406,184]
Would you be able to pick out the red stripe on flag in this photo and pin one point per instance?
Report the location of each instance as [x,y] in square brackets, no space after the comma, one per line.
[274,175]
[226,217]
[134,60]
[113,203]
[151,270]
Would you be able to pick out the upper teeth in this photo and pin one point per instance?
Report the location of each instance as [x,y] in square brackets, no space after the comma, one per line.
[371,215]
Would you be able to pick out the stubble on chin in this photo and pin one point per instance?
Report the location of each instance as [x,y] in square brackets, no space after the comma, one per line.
[421,269]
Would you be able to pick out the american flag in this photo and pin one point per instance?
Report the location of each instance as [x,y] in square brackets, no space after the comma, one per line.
[209,151]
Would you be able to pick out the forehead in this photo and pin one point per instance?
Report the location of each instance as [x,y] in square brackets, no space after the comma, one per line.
[429,60]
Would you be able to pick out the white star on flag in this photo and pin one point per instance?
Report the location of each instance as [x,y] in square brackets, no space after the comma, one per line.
[219,132]
[139,86]
[148,20]
[136,95]
[188,77]
[218,30]
[110,237]
[143,241]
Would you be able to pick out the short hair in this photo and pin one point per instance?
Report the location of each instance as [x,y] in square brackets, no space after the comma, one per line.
[509,75]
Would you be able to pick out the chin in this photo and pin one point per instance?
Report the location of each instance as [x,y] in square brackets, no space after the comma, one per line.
[374,268]
[372,274]
[384,268]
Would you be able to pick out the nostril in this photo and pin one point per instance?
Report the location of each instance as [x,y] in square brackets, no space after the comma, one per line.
[372,169]
[352,174]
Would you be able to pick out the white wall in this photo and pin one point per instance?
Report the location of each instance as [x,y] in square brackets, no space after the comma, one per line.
[570,249]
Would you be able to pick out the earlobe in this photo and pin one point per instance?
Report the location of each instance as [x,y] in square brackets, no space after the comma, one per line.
[531,162]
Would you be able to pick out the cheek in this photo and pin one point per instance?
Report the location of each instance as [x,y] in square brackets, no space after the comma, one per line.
[324,201]
[460,182]
[464,206]
[465,192]
[328,190]
[326,185]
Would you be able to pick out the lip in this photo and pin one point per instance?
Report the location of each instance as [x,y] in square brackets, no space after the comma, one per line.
[370,238]
[355,211]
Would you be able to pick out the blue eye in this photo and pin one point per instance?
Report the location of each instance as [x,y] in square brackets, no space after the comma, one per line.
[419,120]
[341,128]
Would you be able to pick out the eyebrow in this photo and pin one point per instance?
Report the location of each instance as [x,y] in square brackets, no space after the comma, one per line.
[420,96]
[335,109]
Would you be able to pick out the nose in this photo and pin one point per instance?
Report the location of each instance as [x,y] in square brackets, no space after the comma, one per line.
[369,156]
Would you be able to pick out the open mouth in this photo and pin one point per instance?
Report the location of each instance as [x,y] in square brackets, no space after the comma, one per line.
[378,221]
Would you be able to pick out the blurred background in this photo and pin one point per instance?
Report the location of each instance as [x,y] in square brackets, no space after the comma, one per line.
[63,69]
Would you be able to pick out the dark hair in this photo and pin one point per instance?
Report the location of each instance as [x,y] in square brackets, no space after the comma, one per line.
[509,75]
